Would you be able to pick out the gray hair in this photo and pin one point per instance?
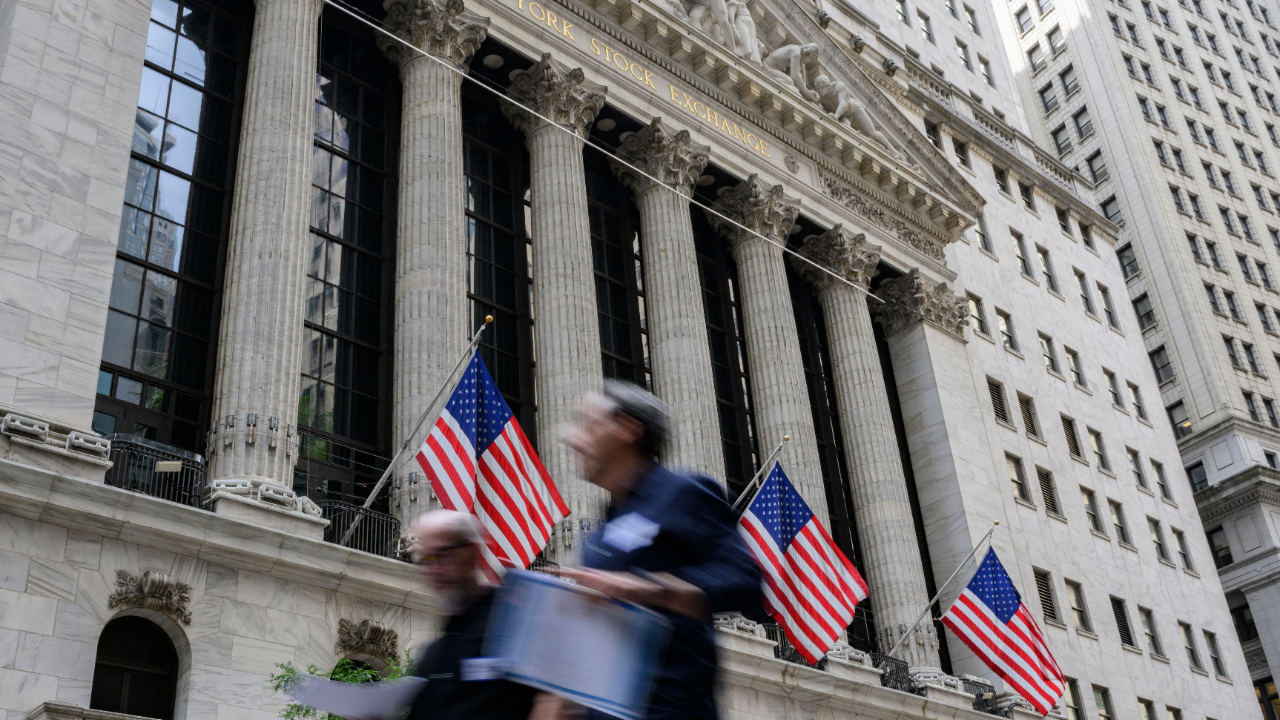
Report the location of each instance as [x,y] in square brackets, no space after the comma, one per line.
[465,526]
[640,405]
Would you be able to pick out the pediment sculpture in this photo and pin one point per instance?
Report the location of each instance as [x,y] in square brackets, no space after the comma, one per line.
[791,61]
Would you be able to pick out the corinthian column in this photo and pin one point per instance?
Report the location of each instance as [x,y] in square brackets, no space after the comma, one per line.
[259,353]
[566,327]
[669,163]
[890,553]
[777,370]
[432,319]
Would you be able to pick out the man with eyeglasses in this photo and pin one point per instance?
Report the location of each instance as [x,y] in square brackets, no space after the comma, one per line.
[671,543]
[462,683]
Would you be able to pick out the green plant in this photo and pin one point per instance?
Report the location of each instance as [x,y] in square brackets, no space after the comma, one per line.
[289,677]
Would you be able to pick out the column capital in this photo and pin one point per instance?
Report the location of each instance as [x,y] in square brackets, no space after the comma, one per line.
[563,96]
[849,255]
[441,28]
[909,299]
[765,210]
[671,157]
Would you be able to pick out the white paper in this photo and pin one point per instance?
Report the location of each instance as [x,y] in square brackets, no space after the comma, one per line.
[576,643]
[358,700]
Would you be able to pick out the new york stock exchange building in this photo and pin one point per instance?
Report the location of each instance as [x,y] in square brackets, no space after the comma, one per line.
[244,244]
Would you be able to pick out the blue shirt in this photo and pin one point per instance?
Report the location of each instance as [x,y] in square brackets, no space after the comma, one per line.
[681,525]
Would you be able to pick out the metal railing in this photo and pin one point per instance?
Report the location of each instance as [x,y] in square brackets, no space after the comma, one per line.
[984,696]
[896,675]
[784,650]
[378,533]
[543,565]
[150,468]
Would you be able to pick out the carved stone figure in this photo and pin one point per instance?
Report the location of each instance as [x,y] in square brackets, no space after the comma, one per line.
[837,100]
[152,591]
[786,64]
[673,7]
[744,31]
[717,25]
[367,637]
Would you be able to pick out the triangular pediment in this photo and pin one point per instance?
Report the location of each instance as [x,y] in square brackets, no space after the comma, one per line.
[766,38]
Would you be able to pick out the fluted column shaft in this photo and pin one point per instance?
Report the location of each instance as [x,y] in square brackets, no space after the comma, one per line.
[778,386]
[566,324]
[890,552]
[432,322]
[259,352]
[678,345]
[678,348]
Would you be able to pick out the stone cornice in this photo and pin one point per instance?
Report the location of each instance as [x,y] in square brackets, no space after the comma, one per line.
[765,210]
[1258,485]
[864,175]
[909,299]
[849,255]
[443,29]
[673,158]
[866,207]
[564,97]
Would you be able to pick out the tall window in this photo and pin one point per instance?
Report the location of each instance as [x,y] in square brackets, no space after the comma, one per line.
[719,275]
[156,377]
[136,671]
[342,409]
[498,249]
[615,248]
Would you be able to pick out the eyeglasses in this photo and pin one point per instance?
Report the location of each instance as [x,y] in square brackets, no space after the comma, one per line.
[441,555]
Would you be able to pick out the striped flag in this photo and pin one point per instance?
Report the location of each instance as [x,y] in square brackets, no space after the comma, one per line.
[479,461]
[809,586]
[990,617]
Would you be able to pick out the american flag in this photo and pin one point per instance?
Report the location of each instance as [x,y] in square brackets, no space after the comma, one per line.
[990,617]
[479,461]
[809,586]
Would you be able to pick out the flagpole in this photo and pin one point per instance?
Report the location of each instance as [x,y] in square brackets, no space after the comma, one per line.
[409,439]
[756,478]
[960,567]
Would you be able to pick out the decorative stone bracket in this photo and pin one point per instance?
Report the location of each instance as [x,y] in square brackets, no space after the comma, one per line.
[152,591]
[368,637]
[265,492]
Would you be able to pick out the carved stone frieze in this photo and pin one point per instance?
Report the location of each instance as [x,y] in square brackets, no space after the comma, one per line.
[367,637]
[869,209]
[761,209]
[443,29]
[152,591]
[909,298]
[849,255]
[559,95]
[670,157]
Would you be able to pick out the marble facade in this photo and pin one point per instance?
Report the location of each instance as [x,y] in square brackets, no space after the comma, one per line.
[809,116]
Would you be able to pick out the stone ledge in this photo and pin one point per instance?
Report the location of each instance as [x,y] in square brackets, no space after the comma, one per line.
[45,496]
[865,700]
[67,711]
[268,515]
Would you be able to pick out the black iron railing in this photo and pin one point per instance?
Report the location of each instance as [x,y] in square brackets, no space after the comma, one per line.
[541,564]
[784,650]
[378,533]
[147,467]
[896,674]
[984,696]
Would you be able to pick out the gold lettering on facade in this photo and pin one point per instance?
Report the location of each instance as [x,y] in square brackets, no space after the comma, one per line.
[639,74]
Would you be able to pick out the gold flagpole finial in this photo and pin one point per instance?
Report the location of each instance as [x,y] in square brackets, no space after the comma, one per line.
[488,319]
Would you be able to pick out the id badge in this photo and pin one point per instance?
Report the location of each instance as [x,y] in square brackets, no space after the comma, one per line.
[479,669]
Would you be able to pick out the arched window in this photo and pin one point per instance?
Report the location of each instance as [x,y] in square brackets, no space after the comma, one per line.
[136,671]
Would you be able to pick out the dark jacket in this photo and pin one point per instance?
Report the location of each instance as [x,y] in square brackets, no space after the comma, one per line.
[457,686]
[681,525]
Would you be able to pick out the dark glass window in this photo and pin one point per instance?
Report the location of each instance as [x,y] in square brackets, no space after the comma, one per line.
[1242,618]
[498,249]
[815,353]
[157,356]
[136,670]
[343,413]
[615,249]
[1220,548]
[719,277]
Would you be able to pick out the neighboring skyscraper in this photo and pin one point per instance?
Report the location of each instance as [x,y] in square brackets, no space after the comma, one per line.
[1184,95]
